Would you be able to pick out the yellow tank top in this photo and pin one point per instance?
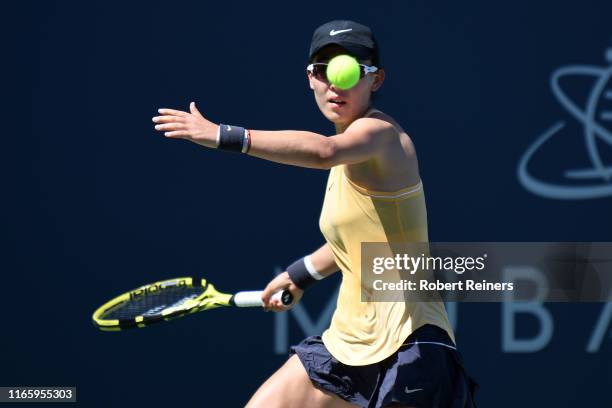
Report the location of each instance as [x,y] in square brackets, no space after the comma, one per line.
[368,332]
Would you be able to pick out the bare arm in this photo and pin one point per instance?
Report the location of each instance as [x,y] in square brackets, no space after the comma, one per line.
[364,139]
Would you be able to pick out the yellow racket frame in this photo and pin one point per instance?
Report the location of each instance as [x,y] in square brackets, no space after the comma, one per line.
[209,299]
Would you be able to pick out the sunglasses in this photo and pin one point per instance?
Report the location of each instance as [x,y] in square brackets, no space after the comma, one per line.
[319,70]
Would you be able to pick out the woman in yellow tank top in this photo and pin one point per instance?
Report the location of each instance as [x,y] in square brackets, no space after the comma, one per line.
[374,354]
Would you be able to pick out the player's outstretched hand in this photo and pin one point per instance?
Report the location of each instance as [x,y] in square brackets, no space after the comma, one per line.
[280,282]
[190,125]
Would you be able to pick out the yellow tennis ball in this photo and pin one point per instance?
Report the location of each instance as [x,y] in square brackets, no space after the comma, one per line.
[343,71]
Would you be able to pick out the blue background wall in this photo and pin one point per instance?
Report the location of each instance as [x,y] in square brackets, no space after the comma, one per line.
[96,202]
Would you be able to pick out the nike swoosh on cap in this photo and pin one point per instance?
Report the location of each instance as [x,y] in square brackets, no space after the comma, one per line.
[334,32]
[407,391]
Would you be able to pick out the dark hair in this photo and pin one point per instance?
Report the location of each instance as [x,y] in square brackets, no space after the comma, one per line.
[376,54]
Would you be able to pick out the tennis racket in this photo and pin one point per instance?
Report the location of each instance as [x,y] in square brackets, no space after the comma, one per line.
[169,299]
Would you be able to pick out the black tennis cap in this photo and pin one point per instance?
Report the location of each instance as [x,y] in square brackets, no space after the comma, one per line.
[356,38]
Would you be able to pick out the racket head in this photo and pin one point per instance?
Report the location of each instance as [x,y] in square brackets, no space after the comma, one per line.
[159,301]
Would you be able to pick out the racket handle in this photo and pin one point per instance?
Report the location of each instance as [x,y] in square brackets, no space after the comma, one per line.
[253,298]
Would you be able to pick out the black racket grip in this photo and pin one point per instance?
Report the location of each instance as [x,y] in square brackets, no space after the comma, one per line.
[286,298]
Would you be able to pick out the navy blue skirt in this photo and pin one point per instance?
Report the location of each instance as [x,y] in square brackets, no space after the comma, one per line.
[426,372]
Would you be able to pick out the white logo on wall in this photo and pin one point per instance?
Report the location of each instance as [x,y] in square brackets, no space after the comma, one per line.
[595,117]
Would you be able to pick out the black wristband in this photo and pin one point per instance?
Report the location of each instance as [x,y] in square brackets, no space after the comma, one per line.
[231,138]
[299,274]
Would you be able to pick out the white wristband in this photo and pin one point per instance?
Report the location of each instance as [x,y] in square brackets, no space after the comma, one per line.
[311,269]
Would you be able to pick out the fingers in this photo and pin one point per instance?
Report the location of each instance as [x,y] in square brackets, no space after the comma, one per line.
[171,126]
[275,305]
[173,129]
[172,123]
[174,112]
[177,133]
[169,119]
[272,287]
[193,109]
[266,295]
[269,300]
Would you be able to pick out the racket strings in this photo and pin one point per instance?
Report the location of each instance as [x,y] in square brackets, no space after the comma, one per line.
[152,304]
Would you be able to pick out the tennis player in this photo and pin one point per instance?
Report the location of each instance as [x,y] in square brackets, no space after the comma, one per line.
[374,354]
